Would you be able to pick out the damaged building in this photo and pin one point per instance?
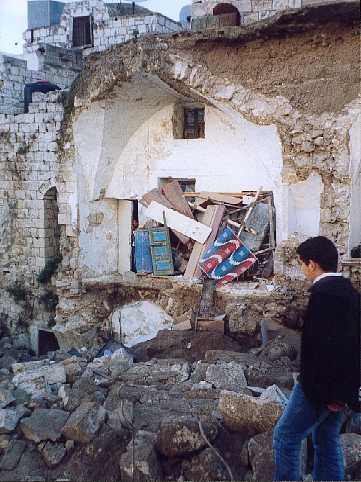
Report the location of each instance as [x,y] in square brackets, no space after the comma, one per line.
[161,146]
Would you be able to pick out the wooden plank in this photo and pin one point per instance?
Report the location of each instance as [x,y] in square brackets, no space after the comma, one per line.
[212,218]
[189,227]
[174,194]
[207,219]
[156,195]
[221,198]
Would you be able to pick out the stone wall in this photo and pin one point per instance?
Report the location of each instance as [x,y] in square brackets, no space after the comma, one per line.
[32,192]
[52,63]
[39,152]
[108,29]
[251,11]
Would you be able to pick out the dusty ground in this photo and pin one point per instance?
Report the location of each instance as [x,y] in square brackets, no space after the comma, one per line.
[184,344]
[310,69]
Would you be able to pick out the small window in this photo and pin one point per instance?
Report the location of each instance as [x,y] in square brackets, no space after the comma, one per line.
[187,185]
[82,31]
[193,123]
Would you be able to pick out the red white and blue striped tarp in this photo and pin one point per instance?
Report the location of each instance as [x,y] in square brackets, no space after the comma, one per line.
[227,258]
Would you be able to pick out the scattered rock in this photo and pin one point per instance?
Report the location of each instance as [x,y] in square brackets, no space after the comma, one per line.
[85,422]
[158,372]
[146,465]
[204,467]
[354,424]
[73,369]
[226,376]
[44,424]
[244,359]
[6,397]
[12,454]
[181,435]
[76,334]
[351,443]
[7,361]
[53,453]
[248,414]
[36,377]
[4,441]
[30,467]
[9,418]
[141,321]
[276,349]
[263,374]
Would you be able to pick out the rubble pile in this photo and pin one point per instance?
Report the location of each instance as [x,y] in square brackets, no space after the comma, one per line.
[221,236]
[107,416]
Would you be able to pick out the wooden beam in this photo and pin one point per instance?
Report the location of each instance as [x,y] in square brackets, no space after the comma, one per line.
[173,192]
[186,226]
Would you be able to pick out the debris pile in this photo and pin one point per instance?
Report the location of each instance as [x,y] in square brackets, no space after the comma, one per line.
[80,416]
[220,236]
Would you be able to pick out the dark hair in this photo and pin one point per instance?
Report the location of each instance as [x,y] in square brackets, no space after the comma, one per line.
[320,250]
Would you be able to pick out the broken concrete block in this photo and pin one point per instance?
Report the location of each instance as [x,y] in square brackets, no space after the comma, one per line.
[6,397]
[141,321]
[75,335]
[258,454]
[351,444]
[44,424]
[204,466]
[35,377]
[9,418]
[85,422]
[226,376]
[252,415]
[182,436]
[12,454]
[53,453]
[146,466]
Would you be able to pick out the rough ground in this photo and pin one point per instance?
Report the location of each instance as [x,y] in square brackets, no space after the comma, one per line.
[76,417]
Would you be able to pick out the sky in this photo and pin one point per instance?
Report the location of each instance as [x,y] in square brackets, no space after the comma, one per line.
[13,19]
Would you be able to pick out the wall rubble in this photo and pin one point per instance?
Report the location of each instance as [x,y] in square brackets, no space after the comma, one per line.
[38,152]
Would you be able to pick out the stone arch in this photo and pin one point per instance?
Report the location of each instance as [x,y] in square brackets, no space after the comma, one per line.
[228,14]
[51,230]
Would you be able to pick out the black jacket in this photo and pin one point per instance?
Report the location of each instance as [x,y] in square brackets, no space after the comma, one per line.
[330,348]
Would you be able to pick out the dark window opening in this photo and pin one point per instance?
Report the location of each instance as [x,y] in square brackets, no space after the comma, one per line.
[227,14]
[82,31]
[47,342]
[135,225]
[32,36]
[51,225]
[193,124]
[187,185]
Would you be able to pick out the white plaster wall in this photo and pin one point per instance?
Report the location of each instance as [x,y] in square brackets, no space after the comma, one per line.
[98,243]
[355,171]
[236,155]
[304,207]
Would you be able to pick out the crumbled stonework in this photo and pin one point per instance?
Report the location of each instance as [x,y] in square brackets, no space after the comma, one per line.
[245,80]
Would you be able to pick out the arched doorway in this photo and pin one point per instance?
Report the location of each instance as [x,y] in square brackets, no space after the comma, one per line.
[227,14]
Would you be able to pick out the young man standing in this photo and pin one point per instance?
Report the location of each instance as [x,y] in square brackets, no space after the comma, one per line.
[330,368]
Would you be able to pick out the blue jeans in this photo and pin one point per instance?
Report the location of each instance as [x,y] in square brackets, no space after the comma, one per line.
[300,419]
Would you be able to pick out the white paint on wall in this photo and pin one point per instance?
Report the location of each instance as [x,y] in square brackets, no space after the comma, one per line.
[125,214]
[355,172]
[304,206]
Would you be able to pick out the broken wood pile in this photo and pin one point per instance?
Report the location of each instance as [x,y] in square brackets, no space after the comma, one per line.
[223,236]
